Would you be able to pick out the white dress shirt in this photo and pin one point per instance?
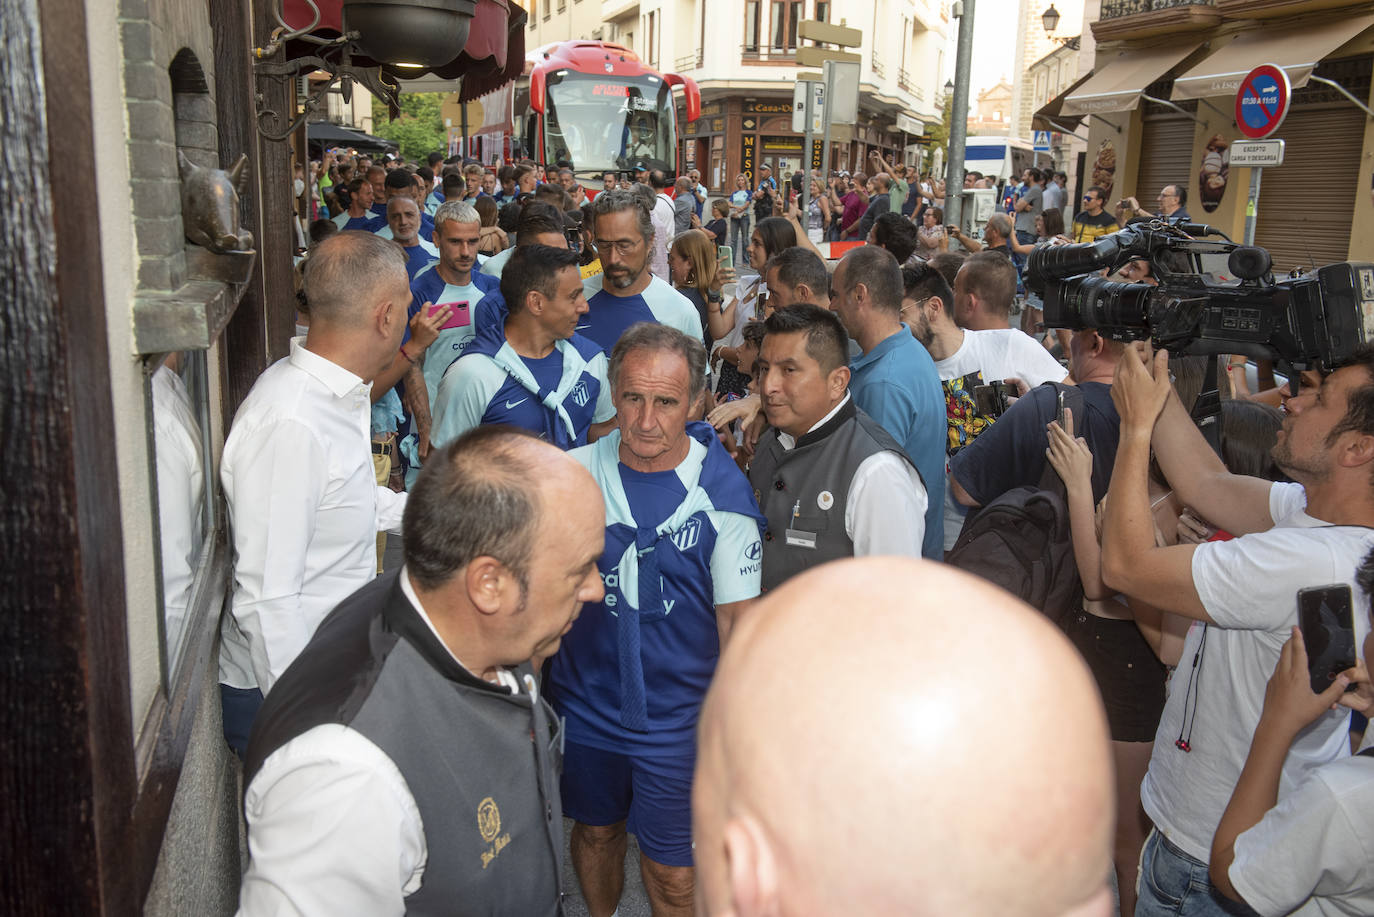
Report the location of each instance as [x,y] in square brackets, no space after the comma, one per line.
[332,825]
[662,218]
[886,510]
[304,508]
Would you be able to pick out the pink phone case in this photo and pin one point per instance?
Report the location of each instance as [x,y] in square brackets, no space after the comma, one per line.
[460,318]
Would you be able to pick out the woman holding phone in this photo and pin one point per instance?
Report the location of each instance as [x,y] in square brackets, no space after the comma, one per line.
[695,274]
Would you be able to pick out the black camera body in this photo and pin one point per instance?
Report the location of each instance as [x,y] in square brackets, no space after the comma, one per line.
[1212,297]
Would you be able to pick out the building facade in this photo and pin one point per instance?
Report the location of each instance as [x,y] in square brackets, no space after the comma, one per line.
[743,56]
[1162,103]
[992,111]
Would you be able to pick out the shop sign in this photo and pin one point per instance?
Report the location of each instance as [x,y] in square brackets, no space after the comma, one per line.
[769,108]
[746,157]
[776,144]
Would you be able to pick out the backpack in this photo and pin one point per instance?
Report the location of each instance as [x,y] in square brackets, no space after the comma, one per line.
[1021,540]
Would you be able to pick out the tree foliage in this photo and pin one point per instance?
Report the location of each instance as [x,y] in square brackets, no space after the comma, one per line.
[420,128]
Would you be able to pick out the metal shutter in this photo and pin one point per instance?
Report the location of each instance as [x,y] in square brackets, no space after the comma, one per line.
[1166,158]
[1306,206]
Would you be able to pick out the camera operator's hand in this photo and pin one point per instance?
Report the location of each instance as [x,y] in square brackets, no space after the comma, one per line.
[1289,704]
[1140,390]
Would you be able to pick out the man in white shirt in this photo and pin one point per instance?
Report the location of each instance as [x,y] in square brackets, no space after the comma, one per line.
[1241,592]
[965,360]
[408,763]
[663,219]
[830,480]
[304,504]
[1313,853]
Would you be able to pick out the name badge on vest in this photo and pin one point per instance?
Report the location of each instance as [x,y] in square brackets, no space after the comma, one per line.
[799,539]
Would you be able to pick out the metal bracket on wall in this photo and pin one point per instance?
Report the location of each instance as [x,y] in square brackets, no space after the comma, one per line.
[1064,130]
[343,73]
[1167,104]
[1112,124]
[1343,91]
[1229,116]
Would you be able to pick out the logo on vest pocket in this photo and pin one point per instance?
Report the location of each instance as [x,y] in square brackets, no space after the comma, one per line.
[488,819]
[489,826]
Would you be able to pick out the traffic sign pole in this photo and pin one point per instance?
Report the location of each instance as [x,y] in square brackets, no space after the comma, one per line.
[1252,205]
[1261,105]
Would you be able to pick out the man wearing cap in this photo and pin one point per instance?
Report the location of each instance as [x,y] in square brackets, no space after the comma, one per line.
[765,194]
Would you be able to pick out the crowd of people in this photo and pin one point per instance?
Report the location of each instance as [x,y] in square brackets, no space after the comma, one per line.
[694,541]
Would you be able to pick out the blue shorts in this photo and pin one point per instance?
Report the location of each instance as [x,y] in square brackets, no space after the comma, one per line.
[653,794]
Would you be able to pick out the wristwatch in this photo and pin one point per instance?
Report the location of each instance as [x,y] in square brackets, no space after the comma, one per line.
[713,296]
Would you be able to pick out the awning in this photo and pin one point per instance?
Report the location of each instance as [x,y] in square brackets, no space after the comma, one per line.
[1117,85]
[1051,117]
[1296,51]
[493,55]
[330,134]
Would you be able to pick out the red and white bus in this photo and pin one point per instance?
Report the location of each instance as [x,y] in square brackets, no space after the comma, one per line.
[595,107]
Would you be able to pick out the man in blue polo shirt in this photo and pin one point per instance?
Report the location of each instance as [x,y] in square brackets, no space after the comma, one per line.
[894,380]
[681,562]
[533,370]
[626,292]
[453,281]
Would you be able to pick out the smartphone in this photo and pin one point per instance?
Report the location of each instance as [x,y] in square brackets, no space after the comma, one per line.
[1059,411]
[460,317]
[724,254]
[985,401]
[1326,618]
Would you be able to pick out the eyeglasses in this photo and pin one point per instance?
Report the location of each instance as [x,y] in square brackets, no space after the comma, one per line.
[901,313]
[621,246]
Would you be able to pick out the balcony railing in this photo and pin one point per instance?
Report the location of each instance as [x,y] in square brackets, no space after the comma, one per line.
[688,62]
[1115,9]
[903,81]
[765,53]
[876,63]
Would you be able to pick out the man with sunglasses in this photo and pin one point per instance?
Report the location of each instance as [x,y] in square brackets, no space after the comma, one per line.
[1093,221]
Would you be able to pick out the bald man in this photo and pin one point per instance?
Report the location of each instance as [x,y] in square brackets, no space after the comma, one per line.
[859,789]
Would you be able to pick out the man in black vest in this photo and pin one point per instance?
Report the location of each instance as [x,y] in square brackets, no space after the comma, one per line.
[406,760]
[830,480]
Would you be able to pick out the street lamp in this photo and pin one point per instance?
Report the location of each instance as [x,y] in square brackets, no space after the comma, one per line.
[949,87]
[1050,20]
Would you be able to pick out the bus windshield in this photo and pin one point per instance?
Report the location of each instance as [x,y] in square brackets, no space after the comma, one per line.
[597,123]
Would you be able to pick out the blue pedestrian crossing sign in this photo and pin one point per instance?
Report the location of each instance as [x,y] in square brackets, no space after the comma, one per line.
[1042,141]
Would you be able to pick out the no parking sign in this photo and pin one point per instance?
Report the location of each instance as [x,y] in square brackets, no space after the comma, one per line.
[1262,101]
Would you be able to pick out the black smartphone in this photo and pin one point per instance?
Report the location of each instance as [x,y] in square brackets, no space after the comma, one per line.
[1327,621]
[986,402]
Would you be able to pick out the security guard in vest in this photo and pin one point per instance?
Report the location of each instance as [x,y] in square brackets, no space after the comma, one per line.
[830,480]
